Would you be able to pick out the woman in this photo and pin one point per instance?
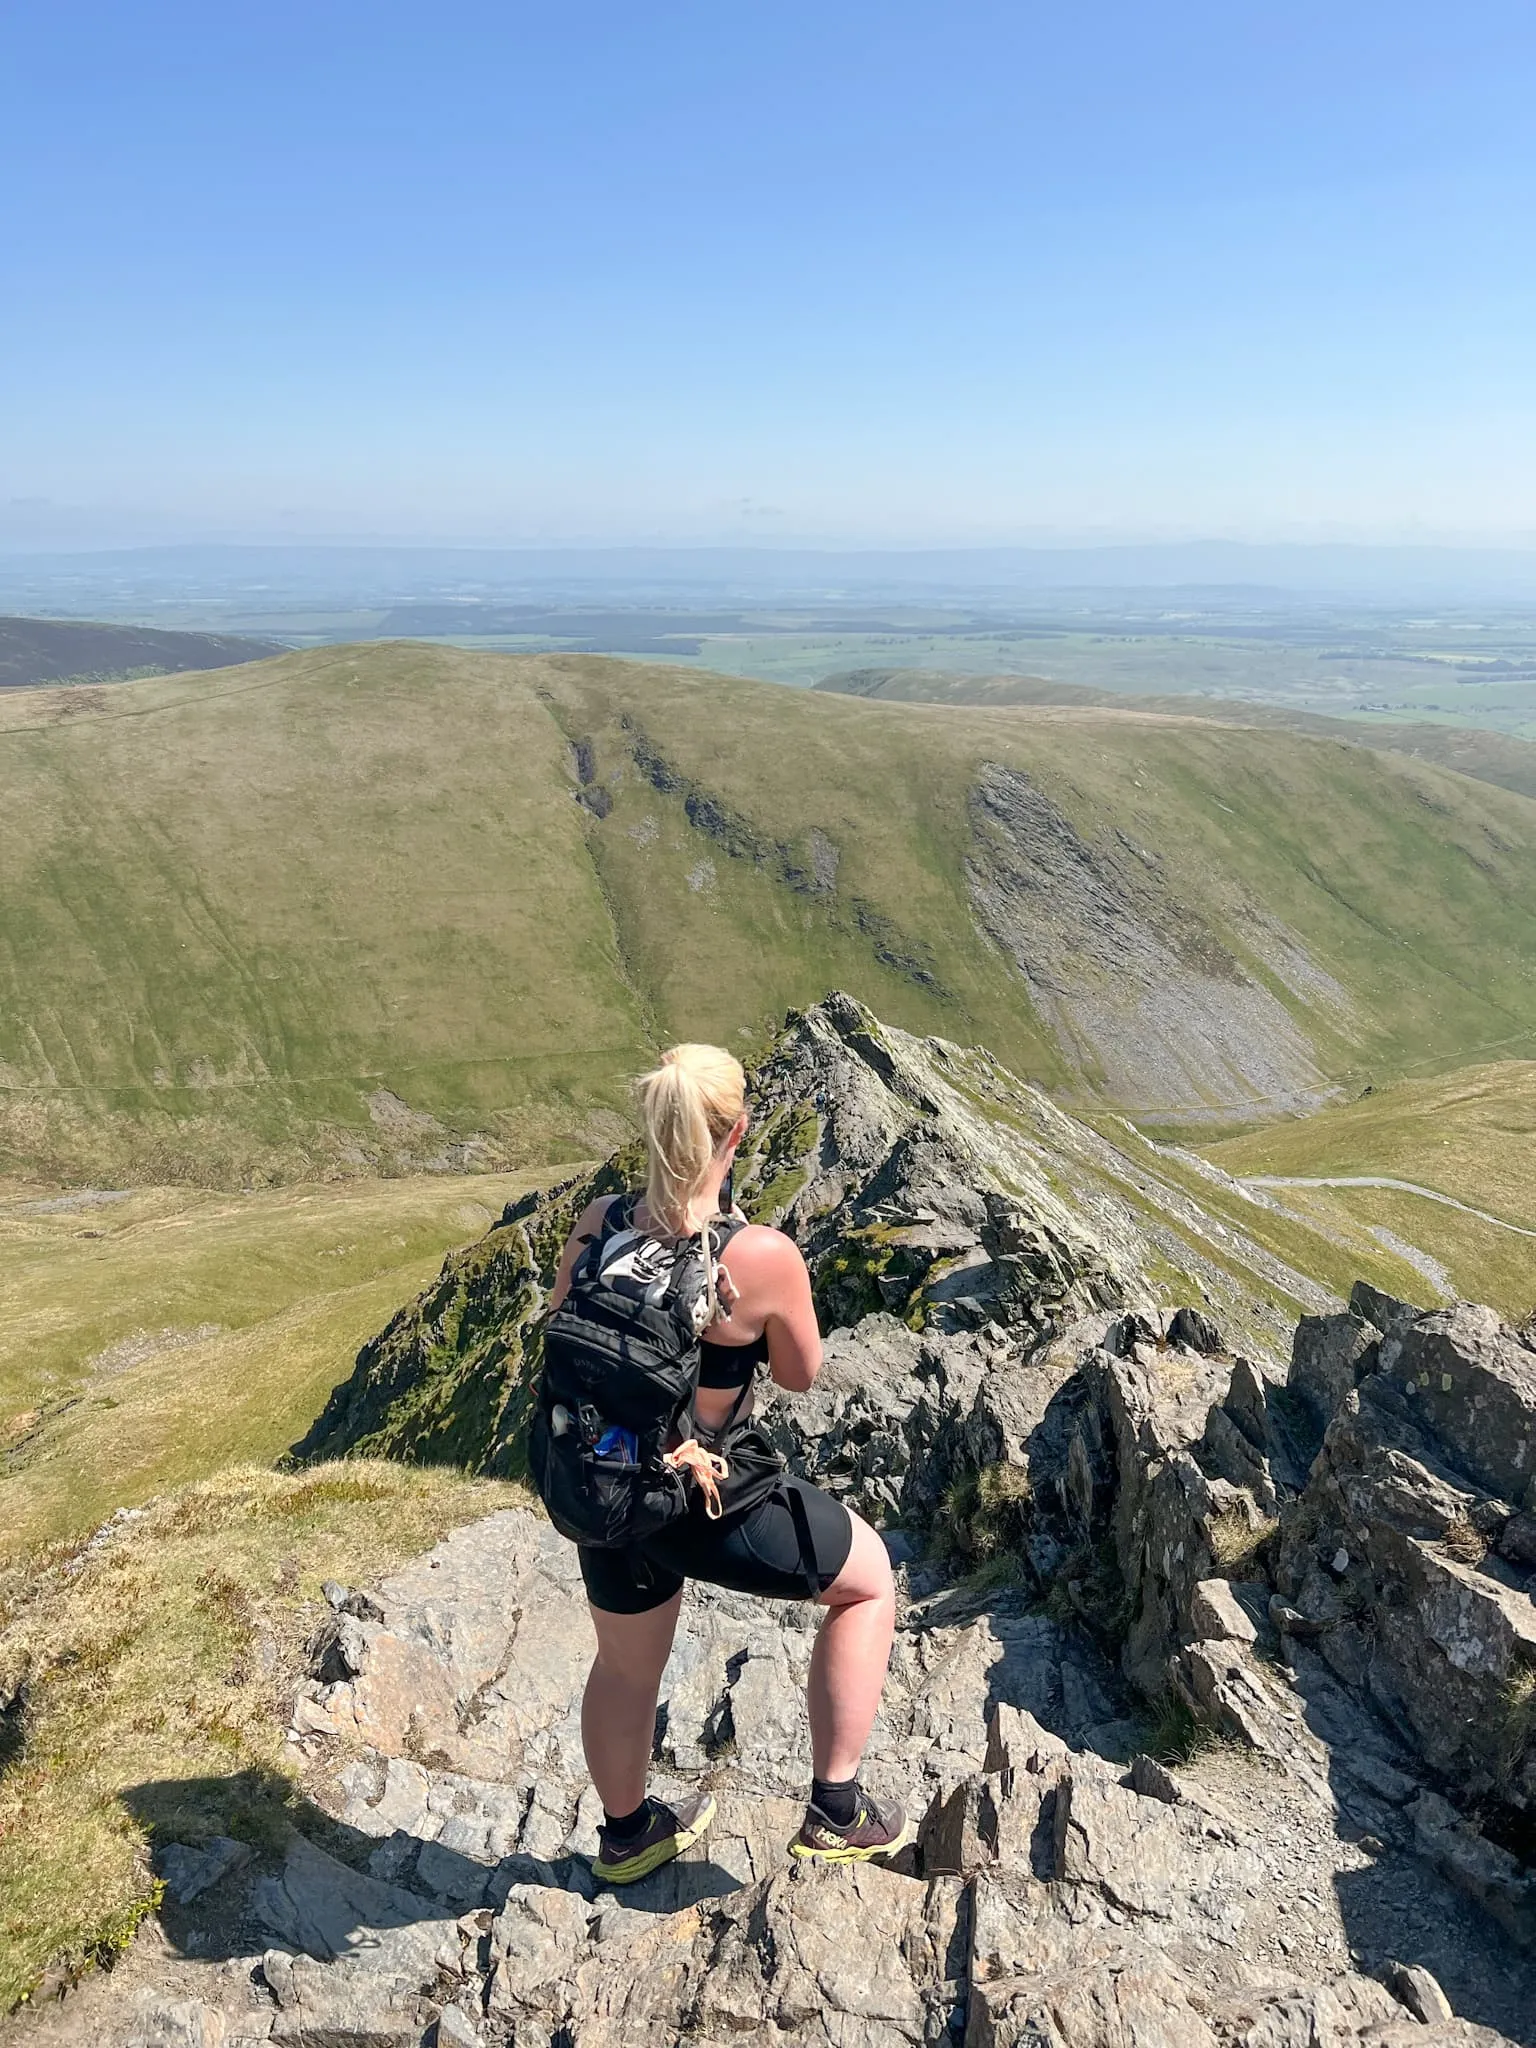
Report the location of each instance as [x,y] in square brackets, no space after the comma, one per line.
[694,1107]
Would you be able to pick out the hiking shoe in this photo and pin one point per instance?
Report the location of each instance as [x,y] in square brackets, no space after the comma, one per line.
[877,1829]
[670,1830]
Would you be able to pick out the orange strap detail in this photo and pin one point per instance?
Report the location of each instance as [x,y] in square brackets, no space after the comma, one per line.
[707,1468]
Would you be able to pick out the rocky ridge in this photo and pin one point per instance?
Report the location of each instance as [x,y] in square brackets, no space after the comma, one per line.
[920,1177]
[1214,1685]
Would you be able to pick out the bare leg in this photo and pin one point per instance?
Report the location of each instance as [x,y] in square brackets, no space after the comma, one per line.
[618,1708]
[851,1653]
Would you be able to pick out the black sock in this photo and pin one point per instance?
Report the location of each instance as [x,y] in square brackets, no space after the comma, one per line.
[837,1798]
[630,1826]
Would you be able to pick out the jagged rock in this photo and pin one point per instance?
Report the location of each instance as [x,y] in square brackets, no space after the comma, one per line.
[344,1600]
[310,1718]
[1242,1445]
[1384,1311]
[489,1605]
[317,1907]
[865,1429]
[813,1955]
[1053,1896]
[1133,1482]
[477,1668]
[1143,1857]
[455,2029]
[1102,1918]
[1517,1540]
[177,2023]
[1197,1331]
[1330,1355]
[188,1873]
[1230,1692]
[1417,1989]
[353,1958]
[1476,1866]
[1217,1617]
[1473,1385]
[859,1956]
[1154,1780]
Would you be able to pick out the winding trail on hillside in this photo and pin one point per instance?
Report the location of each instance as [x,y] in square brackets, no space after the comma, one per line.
[1377,1180]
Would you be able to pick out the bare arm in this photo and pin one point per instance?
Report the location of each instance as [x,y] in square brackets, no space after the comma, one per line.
[588,1223]
[794,1338]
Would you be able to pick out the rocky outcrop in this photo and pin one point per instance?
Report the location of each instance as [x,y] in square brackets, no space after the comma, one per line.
[1170,1561]
[1139,990]
[1407,1558]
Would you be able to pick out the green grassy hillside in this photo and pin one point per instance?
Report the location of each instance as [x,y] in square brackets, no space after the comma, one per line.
[363,909]
[36,651]
[149,1340]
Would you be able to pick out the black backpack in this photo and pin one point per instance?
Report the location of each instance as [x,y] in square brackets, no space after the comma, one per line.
[621,1369]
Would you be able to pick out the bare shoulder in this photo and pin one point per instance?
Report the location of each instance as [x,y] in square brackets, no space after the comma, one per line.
[589,1222]
[759,1249]
[591,1217]
[586,1226]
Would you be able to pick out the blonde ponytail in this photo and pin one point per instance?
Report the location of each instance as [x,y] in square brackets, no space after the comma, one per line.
[689,1103]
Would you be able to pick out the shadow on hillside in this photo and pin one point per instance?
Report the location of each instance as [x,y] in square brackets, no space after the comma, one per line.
[313,1883]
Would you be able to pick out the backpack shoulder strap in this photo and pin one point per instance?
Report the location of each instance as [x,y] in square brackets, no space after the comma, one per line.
[616,1217]
[608,1222]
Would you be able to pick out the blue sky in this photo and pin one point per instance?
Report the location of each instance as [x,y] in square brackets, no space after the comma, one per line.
[891,273]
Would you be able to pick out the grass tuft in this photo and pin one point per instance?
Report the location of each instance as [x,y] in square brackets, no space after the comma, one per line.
[1238,1542]
[1463,1541]
[1518,1735]
[1004,1573]
[1176,1735]
[984,1515]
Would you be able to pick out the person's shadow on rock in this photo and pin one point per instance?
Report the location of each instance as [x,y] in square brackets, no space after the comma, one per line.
[248,1862]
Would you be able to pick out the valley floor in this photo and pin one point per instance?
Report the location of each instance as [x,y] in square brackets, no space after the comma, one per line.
[1446,1167]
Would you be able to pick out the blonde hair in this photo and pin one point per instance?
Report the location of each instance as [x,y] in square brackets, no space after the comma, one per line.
[689,1102]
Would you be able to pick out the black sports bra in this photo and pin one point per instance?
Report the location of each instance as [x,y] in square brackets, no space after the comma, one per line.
[731,1365]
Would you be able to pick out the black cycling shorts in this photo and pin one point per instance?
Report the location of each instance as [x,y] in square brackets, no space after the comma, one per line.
[756,1552]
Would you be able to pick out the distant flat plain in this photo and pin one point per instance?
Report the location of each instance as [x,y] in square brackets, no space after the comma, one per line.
[1417,656]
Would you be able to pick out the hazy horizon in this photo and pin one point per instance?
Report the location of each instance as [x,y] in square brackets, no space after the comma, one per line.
[1219,569]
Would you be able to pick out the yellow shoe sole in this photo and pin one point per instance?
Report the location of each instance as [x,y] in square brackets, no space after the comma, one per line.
[641,1865]
[850,1855]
